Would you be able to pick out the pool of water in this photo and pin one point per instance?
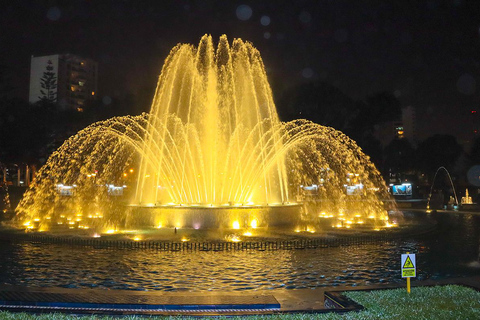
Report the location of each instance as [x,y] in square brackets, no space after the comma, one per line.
[450,251]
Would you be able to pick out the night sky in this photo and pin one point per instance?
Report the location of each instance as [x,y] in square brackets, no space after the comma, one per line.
[427,53]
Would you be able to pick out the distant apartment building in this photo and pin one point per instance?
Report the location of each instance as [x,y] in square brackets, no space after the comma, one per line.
[68,80]
[409,124]
[404,128]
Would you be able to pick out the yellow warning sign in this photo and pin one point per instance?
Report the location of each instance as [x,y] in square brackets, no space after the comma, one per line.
[408,263]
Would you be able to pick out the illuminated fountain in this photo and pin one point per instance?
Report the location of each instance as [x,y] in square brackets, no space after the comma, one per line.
[212,153]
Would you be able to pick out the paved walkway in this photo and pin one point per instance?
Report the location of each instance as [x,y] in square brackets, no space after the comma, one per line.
[100,301]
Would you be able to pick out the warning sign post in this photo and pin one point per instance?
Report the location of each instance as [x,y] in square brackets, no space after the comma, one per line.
[409,269]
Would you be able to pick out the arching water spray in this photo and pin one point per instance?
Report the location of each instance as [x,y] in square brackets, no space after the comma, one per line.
[433,183]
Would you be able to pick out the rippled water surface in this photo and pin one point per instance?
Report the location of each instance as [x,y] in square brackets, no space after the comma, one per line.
[449,252]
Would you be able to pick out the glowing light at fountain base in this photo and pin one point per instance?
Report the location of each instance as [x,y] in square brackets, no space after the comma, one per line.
[209,217]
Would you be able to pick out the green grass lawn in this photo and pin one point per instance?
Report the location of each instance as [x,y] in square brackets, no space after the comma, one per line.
[442,302]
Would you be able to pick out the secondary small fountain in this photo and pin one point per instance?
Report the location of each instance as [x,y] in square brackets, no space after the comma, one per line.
[433,184]
[212,153]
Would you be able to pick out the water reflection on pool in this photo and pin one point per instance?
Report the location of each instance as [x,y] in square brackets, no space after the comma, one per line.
[444,253]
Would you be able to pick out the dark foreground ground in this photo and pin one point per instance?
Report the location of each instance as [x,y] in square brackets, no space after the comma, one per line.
[122,302]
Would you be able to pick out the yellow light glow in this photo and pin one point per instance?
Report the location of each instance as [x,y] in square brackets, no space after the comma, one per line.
[129,231]
[159,225]
[124,174]
[254,223]
[235,239]
[247,234]
[236,225]
[339,225]
[48,218]
[185,239]
[360,222]
[297,230]
[371,217]
[96,235]
[111,231]
[137,238]
[27,223]
[349,221]
[36,219]
[62,216]
[131,170]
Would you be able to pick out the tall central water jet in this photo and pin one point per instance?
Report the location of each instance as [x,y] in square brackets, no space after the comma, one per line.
[213,136]
[211,153]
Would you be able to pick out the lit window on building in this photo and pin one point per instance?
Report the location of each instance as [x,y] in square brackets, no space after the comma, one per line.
[399,132]
[81,83]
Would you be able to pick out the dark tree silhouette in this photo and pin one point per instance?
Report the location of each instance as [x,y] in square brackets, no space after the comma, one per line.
[399,156]
[6,89]
[376,109]
[49,83]
[474,156]
[438,151]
